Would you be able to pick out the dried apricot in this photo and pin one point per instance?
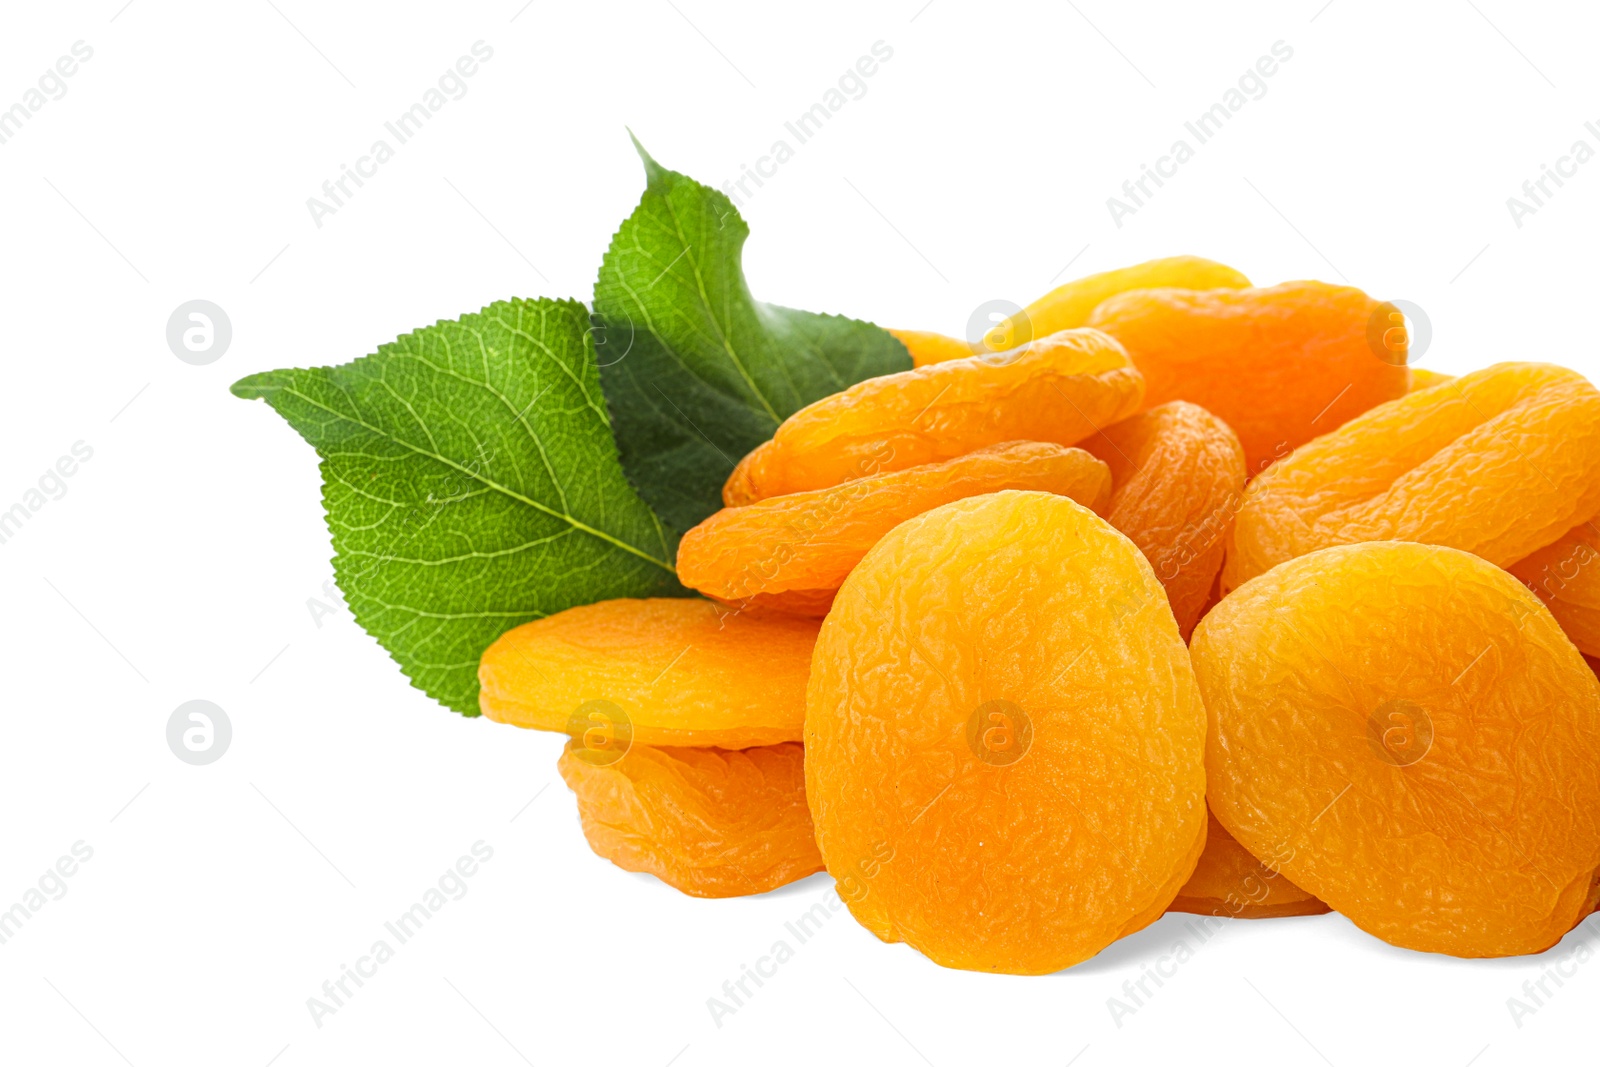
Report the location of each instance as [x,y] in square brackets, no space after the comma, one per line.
[1068,306]
[1004,737]
[928,347]
[1279,365]
[1059,389]
[1231,883]
[653,672]
[1178,473]
[707,821]
[792,552]
[1422,378]
[1565,574]
[1212,598]
[1071,305]
[1499,462]
[1407,732]
[741,490]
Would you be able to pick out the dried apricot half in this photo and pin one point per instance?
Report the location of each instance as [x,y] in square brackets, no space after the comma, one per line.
[1068,306]
[653,672]
[1002,722]
[1565,574]
[1422,378]
[927,347]
[1499,462]
[1071,305]
[1059,389]
[1178,473]
[1280,365]
[707,821]
[792,552]
[1407,732]
[1231,883]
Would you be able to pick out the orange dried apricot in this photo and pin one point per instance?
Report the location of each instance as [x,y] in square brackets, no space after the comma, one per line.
[1213,598]
[740,490]
[653,672]
[707,821]
[927,347]
[1178,473]
[1071,305]
[1407,732]
[1280,365]
[1231,883]
[1004,737]
[1059,389]
[792,552]
[1499,462]
[1565,574]
[1422,378]
[1068,306]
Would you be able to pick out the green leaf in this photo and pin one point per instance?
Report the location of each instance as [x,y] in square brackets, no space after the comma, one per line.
[471,484]
[697,371]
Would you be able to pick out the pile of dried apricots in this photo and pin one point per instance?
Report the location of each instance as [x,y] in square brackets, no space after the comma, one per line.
[1170,593]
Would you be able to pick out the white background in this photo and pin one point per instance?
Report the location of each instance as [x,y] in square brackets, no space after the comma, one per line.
[180,562]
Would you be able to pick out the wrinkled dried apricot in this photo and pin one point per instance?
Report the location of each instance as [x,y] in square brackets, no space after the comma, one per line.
[1214,597]
[1071,305]
[1565,574]
[653,672]
[1178,473]
[1499,462]
[1231,883]
[792,552]
[1422,378]
[707,821]
[1068,306]
[1058,389]
[1280,365]
[1407,732]
[1004,737]
[927,347]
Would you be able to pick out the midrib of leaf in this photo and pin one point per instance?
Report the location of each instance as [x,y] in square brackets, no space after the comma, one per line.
[711,313]
[509,492]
